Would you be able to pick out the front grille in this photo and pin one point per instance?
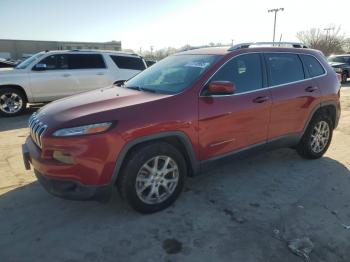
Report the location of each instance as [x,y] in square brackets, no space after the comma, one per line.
[37,129]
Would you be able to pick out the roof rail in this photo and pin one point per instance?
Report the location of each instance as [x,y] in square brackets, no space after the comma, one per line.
[101,50]
[83,50]
[274,44]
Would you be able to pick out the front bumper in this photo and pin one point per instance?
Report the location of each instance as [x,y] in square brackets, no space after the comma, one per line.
[65,188]
[73,190]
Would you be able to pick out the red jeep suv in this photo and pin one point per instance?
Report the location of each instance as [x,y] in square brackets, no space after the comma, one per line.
[171,120]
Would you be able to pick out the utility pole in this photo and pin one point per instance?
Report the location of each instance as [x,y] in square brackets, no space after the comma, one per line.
[327,31]
[275,10]
[151,47]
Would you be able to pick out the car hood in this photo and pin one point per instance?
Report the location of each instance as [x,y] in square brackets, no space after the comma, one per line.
[336,63]
[101,103]
[11,72]
[7,70]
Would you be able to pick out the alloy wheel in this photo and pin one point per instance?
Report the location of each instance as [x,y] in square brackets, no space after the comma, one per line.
[11,103]
[320,136]
[157,179]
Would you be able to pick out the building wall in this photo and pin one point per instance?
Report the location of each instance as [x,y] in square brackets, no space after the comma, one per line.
[116,46]
[19,49]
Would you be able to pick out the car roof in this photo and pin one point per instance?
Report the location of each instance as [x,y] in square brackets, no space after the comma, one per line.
[227,50]
[89,51]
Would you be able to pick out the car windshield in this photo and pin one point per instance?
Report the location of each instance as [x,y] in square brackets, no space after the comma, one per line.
[172,74]
[29,61]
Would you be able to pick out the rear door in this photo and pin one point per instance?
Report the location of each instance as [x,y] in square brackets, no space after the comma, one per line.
[231,122]
[294,93]
[55,81]
[127,66]
[88,70]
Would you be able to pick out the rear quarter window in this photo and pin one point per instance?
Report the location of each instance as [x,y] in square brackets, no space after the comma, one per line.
[312,65]
[127,62]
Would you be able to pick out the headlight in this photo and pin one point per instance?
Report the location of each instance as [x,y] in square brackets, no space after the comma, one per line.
[338,70]
[83,130]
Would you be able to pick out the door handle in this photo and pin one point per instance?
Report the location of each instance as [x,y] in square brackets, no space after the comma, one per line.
[66,75]
[100,74]
[311,89]
[261,99]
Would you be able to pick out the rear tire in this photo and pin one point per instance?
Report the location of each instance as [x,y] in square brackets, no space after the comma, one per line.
[316,138]
[152,177]
[13,102]
[344,77]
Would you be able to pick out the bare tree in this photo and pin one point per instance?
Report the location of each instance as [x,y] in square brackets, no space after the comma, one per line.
[159,53]
[346,46]
[329,40]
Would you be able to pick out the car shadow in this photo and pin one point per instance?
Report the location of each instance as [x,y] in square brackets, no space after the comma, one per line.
[10,123]
[227,213]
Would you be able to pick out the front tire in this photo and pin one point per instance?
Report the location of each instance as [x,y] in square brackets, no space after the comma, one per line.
[152,177]
[13,102]
[316,138]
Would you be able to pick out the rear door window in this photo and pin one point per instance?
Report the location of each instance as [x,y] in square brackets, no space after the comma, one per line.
[244,71]
[86,61]
[128,62]
[312,65]
[284,68]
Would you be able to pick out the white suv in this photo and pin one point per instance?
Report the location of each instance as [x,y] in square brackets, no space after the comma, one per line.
[51,75]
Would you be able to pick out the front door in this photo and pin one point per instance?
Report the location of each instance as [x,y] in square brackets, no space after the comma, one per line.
[231,122]
[53,82]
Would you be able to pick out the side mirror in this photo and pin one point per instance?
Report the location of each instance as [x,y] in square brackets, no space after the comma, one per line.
[40,67]
[119,82]
[221,88]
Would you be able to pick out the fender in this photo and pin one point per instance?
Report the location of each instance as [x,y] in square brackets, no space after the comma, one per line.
[18,87]
[320,106]
[194,163]
[336,105]
[311,115]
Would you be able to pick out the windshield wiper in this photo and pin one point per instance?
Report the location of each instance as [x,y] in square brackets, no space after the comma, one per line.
[148,90]
[133,87]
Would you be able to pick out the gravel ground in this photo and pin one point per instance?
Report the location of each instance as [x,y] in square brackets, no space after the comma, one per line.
[247,210]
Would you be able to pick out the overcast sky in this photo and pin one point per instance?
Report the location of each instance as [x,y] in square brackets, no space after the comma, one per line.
[163,23]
